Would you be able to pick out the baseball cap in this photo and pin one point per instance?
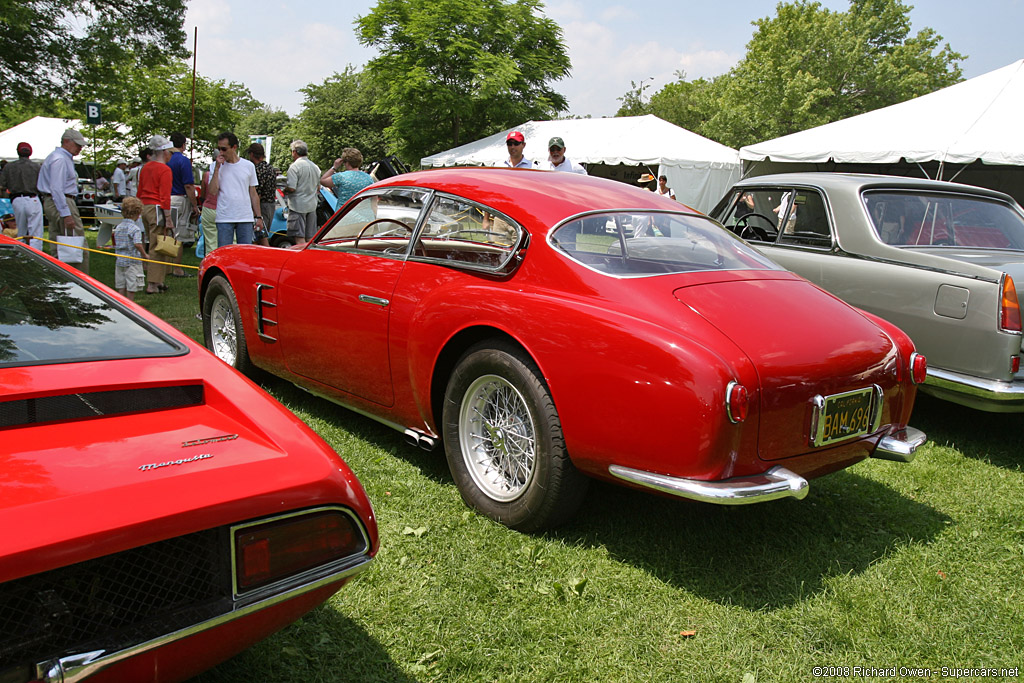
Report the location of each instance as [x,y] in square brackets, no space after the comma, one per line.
[159,142]
[556,142]
[515,135]
[24,147]
[74,136]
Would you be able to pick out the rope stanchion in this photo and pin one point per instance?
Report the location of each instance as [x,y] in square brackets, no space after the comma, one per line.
[115,255]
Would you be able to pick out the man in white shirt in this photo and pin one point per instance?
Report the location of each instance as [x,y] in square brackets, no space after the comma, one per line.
[234,182]
[58,185]
[133,176]
[557,160]
[120,181]
[301,190]
[516,143]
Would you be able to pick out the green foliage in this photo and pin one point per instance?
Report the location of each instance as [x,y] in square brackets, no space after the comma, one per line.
[265,120]
[46,44]
[451,71]
[808,66]
[340,113]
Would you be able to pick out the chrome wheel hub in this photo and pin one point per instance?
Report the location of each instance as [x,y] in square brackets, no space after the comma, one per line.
[497,437]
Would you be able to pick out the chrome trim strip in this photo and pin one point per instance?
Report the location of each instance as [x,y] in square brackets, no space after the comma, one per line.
[994,390]
[376,300]
[728,401]
[900,445]
[77,667]
[778,482]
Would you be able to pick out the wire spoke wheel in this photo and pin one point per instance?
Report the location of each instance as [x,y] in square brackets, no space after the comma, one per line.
[498,438]
[222,330]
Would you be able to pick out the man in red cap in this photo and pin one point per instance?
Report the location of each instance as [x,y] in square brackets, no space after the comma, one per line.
[516,143]
[19,178]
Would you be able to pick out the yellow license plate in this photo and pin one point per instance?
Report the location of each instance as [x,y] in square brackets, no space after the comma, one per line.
[844,416]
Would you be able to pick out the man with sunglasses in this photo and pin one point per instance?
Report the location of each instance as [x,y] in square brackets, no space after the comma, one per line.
[557,160]
[233,182]
[516,143]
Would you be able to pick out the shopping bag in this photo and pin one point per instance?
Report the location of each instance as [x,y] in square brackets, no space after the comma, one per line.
[200,246]
[166,245]
[69,254]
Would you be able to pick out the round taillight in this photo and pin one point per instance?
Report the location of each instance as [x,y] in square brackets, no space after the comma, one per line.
[737,402]
[918,368]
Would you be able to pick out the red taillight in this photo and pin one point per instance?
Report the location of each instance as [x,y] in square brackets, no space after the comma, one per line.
[1009,307]
[275,550]
[737,402]
[1014,364]
[918,368]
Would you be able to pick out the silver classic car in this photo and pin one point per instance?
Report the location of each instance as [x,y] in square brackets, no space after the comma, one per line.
[938,259]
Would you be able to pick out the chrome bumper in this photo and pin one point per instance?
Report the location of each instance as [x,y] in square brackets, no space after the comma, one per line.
[900,446]
[778,482]
[975,392]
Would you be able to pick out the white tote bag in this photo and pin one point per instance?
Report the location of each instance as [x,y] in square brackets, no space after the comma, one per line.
[69,254]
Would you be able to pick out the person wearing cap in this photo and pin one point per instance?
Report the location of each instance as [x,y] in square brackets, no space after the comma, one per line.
[557,160]
[19,178]
[133,172]
[155,194]
[183,197]
[233,182]
[58,185]
[516,144]
[119,180]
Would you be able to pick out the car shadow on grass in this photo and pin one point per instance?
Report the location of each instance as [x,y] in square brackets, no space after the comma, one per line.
[324,645]
[764,556]
[990,437]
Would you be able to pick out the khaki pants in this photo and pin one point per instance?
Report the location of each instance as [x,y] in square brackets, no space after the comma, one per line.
[150,219]
[209,221]
[56,223]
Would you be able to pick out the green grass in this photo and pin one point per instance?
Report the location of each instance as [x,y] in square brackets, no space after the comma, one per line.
[882,565]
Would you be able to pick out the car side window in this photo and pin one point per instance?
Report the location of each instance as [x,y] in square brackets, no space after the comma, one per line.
[752,213]
[381,222]
[459,232]
[804,219]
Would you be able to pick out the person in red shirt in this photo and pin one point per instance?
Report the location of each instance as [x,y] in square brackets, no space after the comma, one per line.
[155,194]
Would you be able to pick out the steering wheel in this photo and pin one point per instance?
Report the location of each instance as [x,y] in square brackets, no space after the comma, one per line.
[392,231]
[746,231]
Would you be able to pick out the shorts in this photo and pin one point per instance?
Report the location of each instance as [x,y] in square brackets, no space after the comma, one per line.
[129,277]
[181,214]
[302,224]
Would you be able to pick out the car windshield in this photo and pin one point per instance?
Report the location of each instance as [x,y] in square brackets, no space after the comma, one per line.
[46,316]
[646,243]
[921,219]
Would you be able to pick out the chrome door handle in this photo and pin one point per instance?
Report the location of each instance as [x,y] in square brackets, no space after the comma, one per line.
[366,298]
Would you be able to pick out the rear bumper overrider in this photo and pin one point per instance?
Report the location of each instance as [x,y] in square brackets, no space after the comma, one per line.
[900,445]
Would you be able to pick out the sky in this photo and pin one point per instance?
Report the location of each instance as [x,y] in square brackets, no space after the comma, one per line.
[275,47]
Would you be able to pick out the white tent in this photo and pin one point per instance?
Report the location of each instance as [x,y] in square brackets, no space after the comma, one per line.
[699,170]
[42,132]
[977,121]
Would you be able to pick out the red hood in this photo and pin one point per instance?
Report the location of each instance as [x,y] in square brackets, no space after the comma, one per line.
[802,342]
[89,487]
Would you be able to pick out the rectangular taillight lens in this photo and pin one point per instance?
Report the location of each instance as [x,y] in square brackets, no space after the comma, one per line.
[274,550]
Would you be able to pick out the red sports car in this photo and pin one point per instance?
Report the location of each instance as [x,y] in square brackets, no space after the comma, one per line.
[547,326]
[159,512]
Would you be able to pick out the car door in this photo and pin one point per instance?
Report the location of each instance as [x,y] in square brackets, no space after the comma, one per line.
[335,298]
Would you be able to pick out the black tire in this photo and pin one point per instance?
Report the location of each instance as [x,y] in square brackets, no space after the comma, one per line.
[490,458]
[222,326]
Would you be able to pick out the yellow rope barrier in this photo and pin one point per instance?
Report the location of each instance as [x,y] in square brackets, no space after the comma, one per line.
[111,253]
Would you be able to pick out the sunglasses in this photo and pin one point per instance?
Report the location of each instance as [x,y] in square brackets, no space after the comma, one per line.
[515,143]
[223,149]
[554,149]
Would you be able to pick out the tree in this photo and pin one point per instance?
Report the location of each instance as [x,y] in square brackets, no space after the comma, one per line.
[456,70]
[45,44]
[265,120]
[808,66]
[340,113]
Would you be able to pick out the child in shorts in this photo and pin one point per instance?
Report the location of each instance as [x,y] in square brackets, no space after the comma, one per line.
[128,274]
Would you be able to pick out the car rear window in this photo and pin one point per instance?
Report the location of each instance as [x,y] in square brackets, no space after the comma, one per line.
[944,219]
[48,316]
[645,243]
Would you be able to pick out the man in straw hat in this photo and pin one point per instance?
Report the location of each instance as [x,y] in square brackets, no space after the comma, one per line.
[58,185]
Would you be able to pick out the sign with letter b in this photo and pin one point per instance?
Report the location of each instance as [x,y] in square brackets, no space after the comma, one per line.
[92,112]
